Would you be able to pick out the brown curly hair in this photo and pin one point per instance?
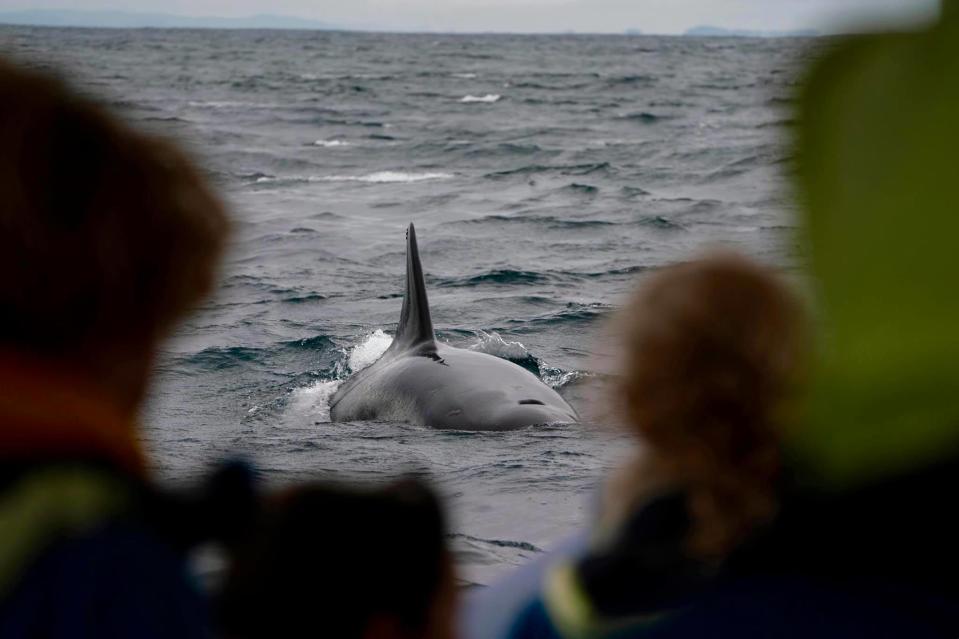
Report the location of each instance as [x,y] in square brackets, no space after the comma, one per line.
[713,352]
[108,235]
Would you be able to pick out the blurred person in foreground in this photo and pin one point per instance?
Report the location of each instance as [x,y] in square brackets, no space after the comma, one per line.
[335,562]
[864,543]
[712,353]
[108,237]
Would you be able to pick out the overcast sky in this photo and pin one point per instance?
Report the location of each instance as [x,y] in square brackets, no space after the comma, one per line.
[650,16]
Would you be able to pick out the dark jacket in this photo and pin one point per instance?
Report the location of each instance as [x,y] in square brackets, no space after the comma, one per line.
[87,551]
[876,562]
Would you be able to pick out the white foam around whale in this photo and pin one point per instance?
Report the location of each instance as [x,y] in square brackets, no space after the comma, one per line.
[492,343]
[369,350]
[313,402]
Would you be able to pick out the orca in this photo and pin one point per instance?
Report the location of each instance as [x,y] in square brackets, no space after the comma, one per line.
[423,382]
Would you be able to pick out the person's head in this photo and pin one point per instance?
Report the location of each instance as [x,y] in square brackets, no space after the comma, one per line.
[107,235]
[335,562]
[712,352]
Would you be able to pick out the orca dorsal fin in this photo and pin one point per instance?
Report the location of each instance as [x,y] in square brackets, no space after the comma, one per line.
[415,328]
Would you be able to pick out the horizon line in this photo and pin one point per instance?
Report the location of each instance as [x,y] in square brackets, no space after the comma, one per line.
[21,18]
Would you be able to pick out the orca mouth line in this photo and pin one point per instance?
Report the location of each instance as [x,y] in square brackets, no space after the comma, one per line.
[527,402]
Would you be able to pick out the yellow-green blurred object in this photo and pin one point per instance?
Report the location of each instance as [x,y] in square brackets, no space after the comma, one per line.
[49,504]
[879,177]
[575,617]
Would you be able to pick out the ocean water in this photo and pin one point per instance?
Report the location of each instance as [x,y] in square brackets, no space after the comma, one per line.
[546,175]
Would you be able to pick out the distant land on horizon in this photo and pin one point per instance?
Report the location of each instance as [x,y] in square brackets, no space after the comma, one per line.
[721,32]
[135,20]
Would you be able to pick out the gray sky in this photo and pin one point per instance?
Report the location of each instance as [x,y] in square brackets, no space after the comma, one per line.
[650,16]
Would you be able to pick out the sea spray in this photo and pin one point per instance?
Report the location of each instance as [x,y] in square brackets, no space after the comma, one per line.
[313,401]
[369,350]
[492,343]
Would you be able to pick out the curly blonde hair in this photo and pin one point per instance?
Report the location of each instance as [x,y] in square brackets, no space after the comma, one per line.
[713,352]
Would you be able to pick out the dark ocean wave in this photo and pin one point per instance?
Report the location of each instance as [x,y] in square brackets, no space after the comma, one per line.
[589,168]
[543,86]
[610,273]
[219,358]
[508,149]
[552,102]
[582,189]
[737,167]
[305,299]
[529,362]
[495,277]
[645,117]
[723,86]
[632,80]
[518,278]
[469,55]
[661,222]
[574,313]
[550,222]
[688,205]
[167,118]
[633,191]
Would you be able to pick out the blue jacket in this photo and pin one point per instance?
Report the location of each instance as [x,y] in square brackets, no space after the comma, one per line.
[82,556]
